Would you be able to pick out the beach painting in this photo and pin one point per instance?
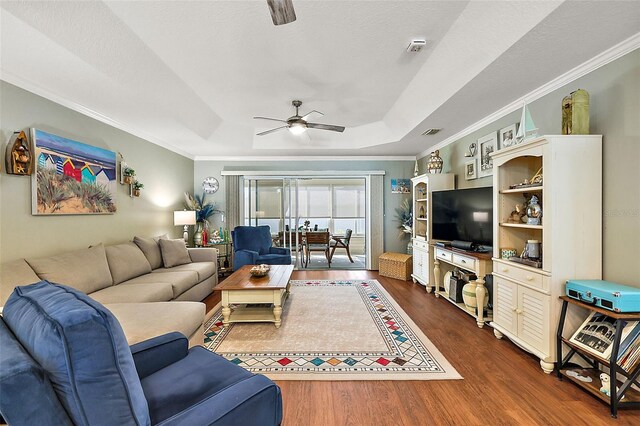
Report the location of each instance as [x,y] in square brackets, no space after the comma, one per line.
[71,177]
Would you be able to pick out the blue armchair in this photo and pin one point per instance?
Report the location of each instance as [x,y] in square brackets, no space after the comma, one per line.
[65,361]
[252,246]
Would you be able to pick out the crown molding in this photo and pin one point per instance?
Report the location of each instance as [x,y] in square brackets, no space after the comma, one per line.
[32,87]
[305,158]
[302,173]
[609,55]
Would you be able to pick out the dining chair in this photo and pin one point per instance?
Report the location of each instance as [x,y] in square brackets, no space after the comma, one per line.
[341,241]
[317,241]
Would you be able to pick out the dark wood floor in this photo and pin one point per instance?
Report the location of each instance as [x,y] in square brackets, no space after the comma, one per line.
[502,384]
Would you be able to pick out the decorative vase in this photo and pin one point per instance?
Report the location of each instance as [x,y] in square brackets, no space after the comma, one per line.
[410,247]
[566,115]
[128,180]
[469,297]
[534,212]
[580,112]
[434,164]
[197,235]
[136,192]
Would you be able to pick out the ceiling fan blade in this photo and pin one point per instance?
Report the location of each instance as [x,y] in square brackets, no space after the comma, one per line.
[281,11]
[306,116]
[272,119]
[266,132]
[325,127]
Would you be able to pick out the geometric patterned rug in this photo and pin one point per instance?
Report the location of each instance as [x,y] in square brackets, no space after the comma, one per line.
[332,330]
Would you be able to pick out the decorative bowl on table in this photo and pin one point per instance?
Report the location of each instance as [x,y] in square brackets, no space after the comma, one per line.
[259,270]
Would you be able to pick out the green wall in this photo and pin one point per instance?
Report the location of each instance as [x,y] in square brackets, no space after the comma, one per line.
[393,169]
[614,91]
[166,177]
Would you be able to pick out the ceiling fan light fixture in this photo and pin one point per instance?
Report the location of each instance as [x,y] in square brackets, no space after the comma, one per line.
[297,128]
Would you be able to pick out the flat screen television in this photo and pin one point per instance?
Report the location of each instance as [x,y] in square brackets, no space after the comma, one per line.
[463,214]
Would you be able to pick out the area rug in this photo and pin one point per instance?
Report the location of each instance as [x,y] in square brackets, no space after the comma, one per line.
[332,330]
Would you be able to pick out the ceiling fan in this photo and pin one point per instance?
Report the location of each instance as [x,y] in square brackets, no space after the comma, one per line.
[281,11]
[298,124]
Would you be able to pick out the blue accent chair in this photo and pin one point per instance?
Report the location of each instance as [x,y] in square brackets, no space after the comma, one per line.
[65,361]
[252,246]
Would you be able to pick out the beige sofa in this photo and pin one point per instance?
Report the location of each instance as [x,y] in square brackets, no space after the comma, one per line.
[131,280]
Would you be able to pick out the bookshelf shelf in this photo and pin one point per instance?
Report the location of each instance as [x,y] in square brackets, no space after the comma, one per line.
[612,368]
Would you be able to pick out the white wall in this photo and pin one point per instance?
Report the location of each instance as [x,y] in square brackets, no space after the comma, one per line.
[615,113]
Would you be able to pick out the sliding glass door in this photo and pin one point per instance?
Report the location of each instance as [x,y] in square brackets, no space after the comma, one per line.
[294,205]
[274,202]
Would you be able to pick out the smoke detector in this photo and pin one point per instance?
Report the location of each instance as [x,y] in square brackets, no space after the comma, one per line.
[416,45]
[429,132]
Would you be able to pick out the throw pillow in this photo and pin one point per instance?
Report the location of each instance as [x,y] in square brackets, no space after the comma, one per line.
[174,252]
[126,261]
[151,249]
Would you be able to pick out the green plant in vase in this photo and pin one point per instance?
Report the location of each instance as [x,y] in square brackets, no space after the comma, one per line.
[128,174]
[136,186]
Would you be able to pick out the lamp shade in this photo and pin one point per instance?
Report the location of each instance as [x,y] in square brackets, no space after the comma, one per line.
[184,217]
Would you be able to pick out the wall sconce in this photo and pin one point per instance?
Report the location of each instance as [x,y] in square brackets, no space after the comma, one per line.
[471,152]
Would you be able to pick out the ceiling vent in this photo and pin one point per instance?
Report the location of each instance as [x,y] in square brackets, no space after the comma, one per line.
[416,45]
[429,132]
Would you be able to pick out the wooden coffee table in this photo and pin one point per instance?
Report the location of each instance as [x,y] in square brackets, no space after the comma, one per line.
[242,290]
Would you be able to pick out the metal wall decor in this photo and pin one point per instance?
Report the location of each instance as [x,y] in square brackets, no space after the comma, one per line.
[434,163]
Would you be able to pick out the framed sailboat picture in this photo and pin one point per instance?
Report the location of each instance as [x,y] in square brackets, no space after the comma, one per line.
[71,177]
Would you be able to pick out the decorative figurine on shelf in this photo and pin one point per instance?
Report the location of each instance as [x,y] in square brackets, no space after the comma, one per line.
[534,212]
[421,214]
[19,160]
[434,164]
[606,385]
[516,215]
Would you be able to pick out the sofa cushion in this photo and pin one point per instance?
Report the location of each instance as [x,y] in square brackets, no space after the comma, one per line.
[151,249]
[126,261]
[203,269]
[174,252]
[180,281]
[142,321]
[86,270]
[134,293]
[189,381]
[26,394]
[84,351]
[15,273]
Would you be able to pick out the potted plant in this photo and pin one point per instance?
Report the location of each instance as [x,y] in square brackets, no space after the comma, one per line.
[127,175]
[136,187]
[404,216]
[204,210]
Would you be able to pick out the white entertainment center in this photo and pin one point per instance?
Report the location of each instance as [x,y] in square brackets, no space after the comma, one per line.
[526,304]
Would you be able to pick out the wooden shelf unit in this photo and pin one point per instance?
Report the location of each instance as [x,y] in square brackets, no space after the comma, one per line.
[615,400]
[526,306]
[422,186]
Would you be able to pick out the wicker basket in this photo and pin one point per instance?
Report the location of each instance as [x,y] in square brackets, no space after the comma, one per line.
[396,265]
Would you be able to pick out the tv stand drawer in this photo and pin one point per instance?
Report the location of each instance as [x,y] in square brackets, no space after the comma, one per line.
[443,254]
[465,262]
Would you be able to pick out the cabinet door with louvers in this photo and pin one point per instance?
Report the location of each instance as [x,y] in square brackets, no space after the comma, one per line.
[505,304]
[533,321]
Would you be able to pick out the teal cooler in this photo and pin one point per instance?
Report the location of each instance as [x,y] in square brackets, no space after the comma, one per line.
[605,294]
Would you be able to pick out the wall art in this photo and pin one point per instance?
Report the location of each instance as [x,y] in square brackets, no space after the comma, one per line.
[71,177]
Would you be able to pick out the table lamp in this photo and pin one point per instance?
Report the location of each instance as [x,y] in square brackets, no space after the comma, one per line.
[186,218]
